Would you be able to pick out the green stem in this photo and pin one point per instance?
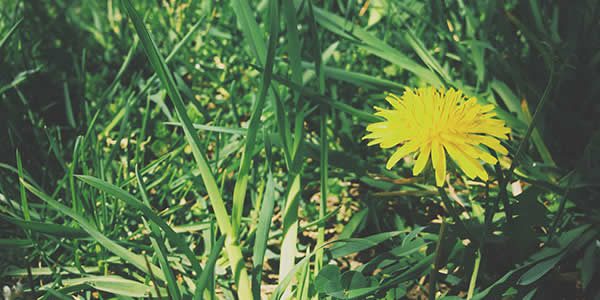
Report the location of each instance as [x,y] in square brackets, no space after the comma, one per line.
[517,157]
[561,208]
[436,263]
[473,281]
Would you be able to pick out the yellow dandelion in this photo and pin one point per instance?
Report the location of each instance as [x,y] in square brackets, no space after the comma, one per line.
[431,123]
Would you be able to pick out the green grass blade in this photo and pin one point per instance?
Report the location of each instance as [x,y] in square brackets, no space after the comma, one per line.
[147,212]
[15,243]
[324,150]
[250,29]
[134,259]
[24,202]
[425,56]
[162,71]
[290,229]
[220,129]
[168,82]
[315,96]
[295,62]
[241,184]
[51,229]
[209,268]
[340,26]
[262,233]
[254,36]
[158,244]
[359,79]
[68,105]
[9,33]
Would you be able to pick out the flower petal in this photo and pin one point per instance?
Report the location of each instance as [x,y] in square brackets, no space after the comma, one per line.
[422,160]
[400,153]
[438,158]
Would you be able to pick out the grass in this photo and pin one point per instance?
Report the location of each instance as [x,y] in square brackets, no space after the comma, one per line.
[212,150]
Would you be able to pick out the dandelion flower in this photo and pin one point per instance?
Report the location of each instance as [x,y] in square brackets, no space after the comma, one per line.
[434,123]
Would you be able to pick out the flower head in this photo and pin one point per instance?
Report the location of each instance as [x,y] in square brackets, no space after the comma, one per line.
[433,123]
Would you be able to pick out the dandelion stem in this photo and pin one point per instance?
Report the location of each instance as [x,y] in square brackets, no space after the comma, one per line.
[561,208]
[473,281]
[531,126]
[436,262]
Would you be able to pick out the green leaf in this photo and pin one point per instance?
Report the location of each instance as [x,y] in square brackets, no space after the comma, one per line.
[47,228]
[166,78]
[10,32]
[113,284]
[539,270]
[353,245]
[329,281]
[137,260]
[241,184]
[146,211]
[375,46]
[209,268]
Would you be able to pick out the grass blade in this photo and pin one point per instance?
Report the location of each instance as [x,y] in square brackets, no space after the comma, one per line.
[147,212]
[158,244]
[264,225]
[9,33]
[241,184]
[340,26]
[209,268]
[134,259]
[162,71]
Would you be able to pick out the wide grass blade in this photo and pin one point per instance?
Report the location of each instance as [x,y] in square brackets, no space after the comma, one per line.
[51,229]
[137,260]
[165,76]
[263,228]
[158,243]
[147,212]
[241,184]
[209,268]
[340,26]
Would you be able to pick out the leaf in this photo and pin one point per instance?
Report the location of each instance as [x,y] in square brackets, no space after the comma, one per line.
[10,32]
[209,268]
[135,259]
[377,10]
[15,243]
[158,244]
[329,280]
[241,184]
[353,280]
[539,270]
[353,245]
[589,263]
[113,284]
[147,212]
[375,46]
[218,206]
[47,228]
[239,131]
[262,230]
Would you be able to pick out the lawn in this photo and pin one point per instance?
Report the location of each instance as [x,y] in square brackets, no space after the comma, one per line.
[300,149]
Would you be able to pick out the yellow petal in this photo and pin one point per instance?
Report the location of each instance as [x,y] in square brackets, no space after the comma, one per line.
[400,153]
[462,160]
[465,158]
[422,160]
[438,158]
